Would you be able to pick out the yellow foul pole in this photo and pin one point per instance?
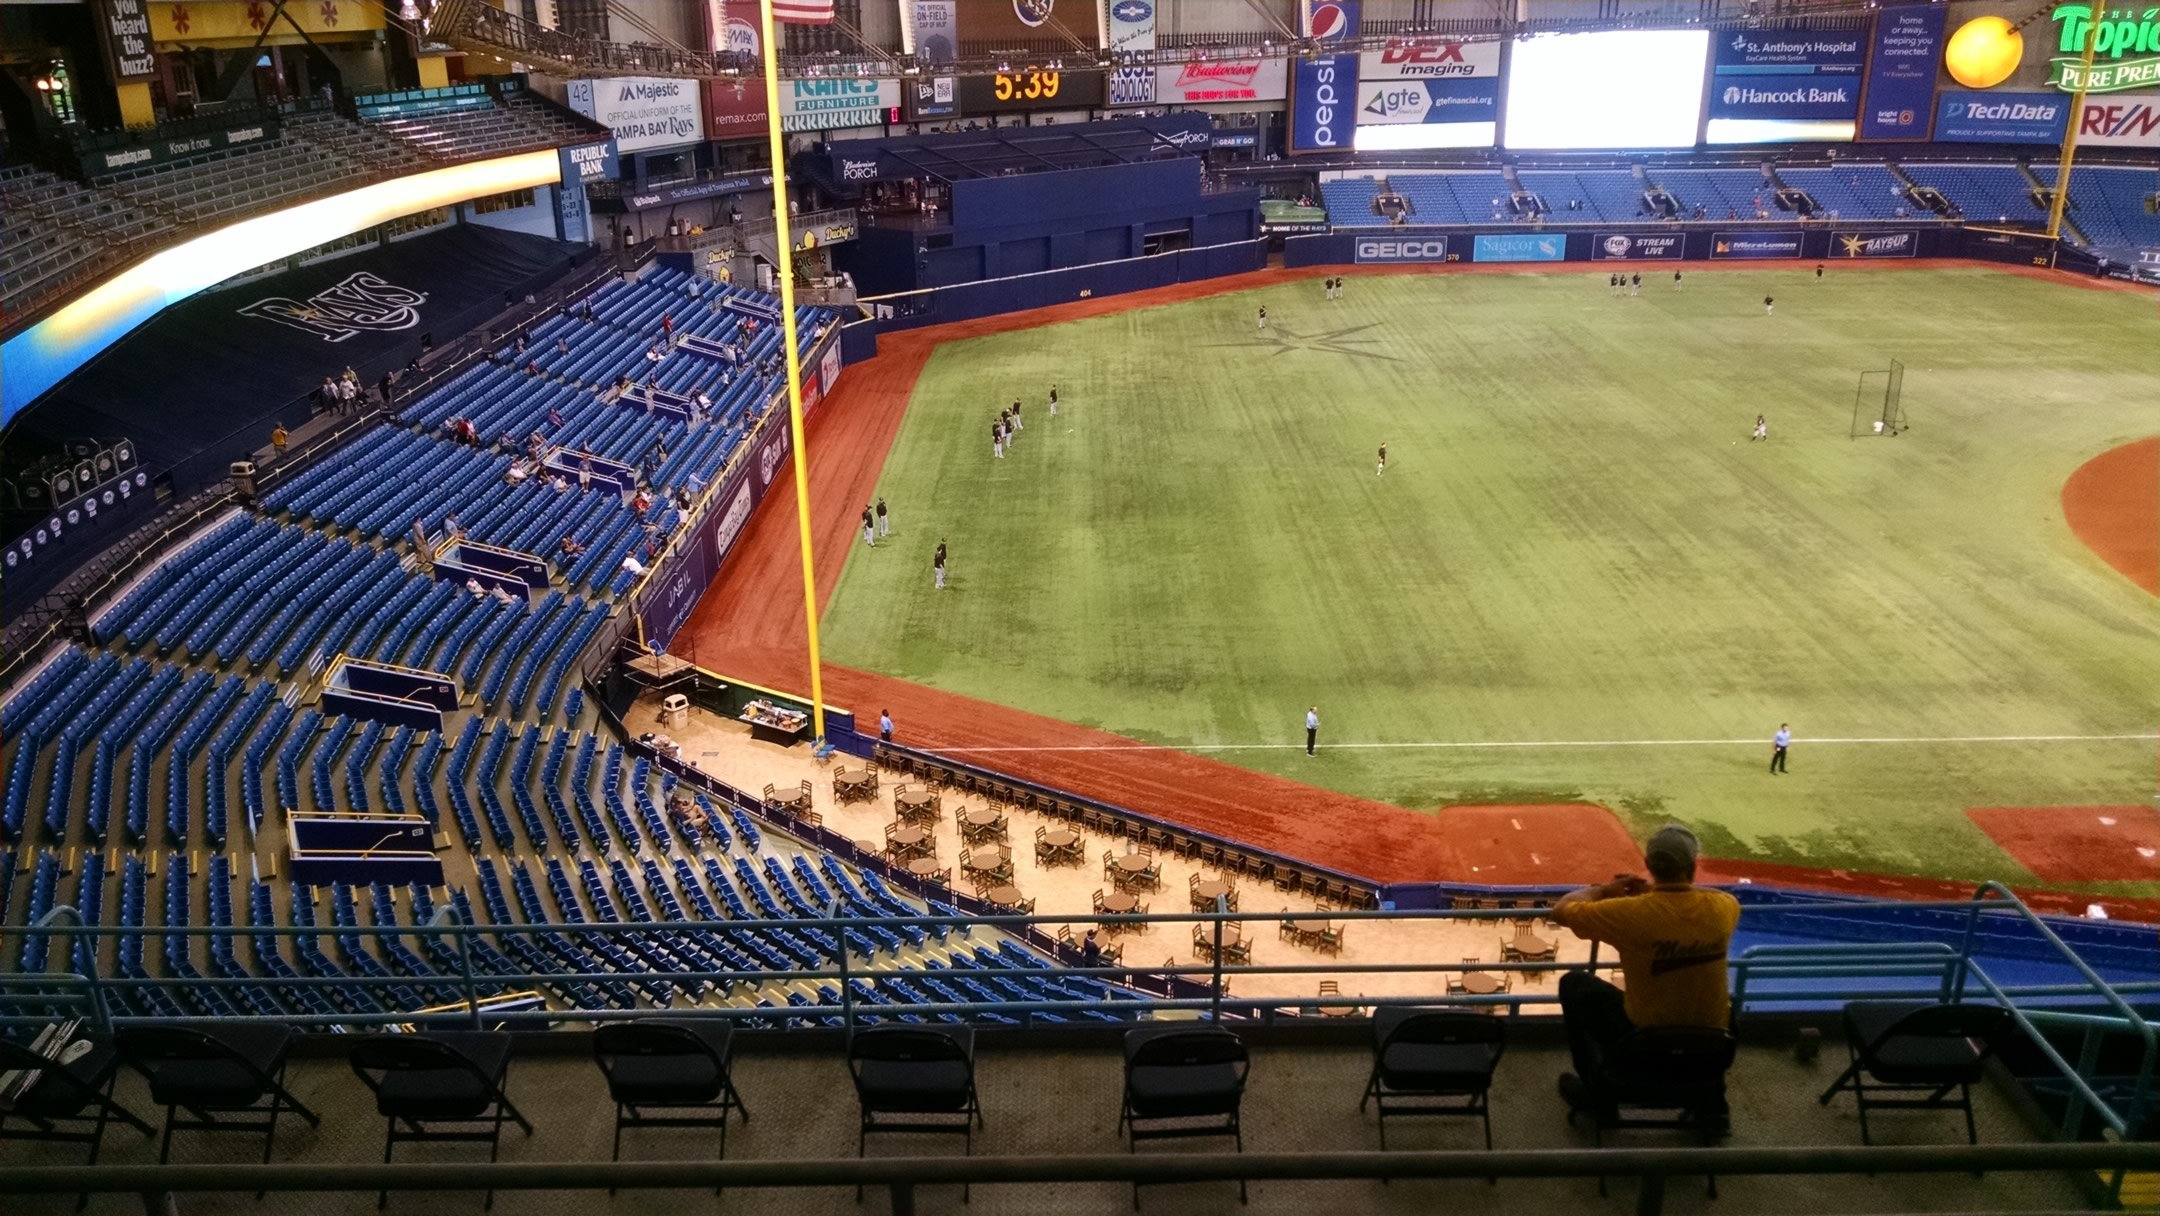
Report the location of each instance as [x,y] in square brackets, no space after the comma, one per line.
[784,252]
[2070,131]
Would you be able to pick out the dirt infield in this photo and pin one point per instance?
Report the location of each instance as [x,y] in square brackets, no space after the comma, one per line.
[2075,844]
[2112,503]
[1564,842]
[1898,886]
[749,625]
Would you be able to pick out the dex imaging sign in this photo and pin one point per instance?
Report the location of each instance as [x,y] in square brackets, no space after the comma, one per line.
[1396,249]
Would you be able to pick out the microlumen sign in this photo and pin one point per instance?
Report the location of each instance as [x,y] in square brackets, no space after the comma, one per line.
[2126,55]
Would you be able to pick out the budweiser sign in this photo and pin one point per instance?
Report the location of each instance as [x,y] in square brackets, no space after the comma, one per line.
[1255,79]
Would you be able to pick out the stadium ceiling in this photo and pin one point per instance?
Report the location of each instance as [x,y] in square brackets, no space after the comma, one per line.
[477,27]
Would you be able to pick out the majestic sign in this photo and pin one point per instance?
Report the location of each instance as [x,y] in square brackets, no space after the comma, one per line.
[1431,59]
[1132,31]
[1638,247]
[362,301]
[1906,54]
[1519,247]
[1755,245]
[1322,116]
[643,111]
[1239,78]
[1372,249]
[1874,244]
[2130,120]
[831,103]
[1804,74]
[2001,118]
[2126,54]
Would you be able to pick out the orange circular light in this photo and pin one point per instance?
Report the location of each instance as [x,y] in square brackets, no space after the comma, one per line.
[1984,52]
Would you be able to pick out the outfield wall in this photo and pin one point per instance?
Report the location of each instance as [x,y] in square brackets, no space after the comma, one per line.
[1015,293]
[1620,245]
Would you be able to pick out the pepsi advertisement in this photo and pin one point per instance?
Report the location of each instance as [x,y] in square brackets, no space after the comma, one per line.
[1907,54]
[1805,74]
[2002,118]
[1323,90]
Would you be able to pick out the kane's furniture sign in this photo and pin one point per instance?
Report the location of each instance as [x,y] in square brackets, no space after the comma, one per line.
[826,105]
[1902,66]
[643,111]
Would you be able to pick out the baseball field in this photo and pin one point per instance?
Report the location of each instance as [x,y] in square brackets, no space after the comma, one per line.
[1579,578]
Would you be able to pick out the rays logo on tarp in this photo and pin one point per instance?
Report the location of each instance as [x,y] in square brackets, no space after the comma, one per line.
[1032,13]
[363,302]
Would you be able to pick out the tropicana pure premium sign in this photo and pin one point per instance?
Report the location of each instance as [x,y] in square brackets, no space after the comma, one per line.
[2126,51]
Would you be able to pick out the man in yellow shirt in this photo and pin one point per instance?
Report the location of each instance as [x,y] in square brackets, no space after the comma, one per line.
[1672,938]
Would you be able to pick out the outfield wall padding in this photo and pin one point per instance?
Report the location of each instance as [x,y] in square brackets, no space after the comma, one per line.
[966,301]
[1707,241]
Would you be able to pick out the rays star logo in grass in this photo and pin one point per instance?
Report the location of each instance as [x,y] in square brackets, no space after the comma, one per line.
[1330,342]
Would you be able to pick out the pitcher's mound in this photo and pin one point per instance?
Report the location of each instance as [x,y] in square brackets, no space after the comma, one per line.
[2075,844]
[1569,842]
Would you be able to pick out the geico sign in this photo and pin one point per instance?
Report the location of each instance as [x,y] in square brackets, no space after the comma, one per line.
[1401,250]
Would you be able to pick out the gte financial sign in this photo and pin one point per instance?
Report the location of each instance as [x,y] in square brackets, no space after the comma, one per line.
[2126,52]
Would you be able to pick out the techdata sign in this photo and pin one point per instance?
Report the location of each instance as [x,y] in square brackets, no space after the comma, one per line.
[1786,74]
[1323,115]
[1903,61]
[1874,244]
[1639,247]
[1755,245]
[2001,118]
[829,104]
[1519,247]
[2125,120]
[1132,31]
[1379,250]
[643,111]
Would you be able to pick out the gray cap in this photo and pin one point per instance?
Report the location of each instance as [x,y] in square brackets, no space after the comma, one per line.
[1672,847]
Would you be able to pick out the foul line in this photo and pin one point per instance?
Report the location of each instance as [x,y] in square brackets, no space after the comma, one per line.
[1472,745]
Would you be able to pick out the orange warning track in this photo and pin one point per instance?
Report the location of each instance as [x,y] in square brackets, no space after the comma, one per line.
[2077,844]
[749,625]
[2112,503]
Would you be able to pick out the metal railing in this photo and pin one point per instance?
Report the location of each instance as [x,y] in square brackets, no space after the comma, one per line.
[161,1185]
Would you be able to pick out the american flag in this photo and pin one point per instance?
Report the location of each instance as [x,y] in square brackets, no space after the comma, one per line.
[804,12]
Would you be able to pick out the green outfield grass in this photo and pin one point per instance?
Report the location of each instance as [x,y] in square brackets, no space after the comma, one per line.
[1574,541]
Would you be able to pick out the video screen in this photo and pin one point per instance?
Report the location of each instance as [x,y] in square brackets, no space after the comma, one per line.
[1618,89]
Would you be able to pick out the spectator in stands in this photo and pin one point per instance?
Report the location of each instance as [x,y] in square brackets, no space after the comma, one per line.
[349,396]
[584,474]
[278,437]
[558,483]
[555,418]
[1672,938]
[884,725]
[502,594]
[473,585]
[562,346]
[1091,954]
[351,377]
[640,503]
[683,501]
[570,547]
[386,386]
[633,565]
[667,327]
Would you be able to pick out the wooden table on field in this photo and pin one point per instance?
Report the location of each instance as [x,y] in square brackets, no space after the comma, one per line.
[1210,889]
[790,799]
[1482,983]
[985,860]
[915,804]
[924,867]
[852,783]
[1004,897]
[1061,838]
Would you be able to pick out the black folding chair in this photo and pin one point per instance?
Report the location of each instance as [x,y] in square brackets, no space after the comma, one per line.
[64,1097]
[1665,1077]
[1183,1081]
[921,1076]
[1913,1047]
[679,1066]
[210,1069]
[1422,1058]
[441,1087]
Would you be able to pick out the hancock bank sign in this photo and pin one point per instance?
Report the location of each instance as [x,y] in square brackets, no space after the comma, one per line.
[2126,54]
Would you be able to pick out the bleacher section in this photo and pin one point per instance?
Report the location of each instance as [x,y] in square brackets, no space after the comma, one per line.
[1611,195]
[55,228]
[1721,193]
[2109,205]
[184,729]
[1454,198]
[467,121]
[1853,192]
[1349,202]
[1993,193]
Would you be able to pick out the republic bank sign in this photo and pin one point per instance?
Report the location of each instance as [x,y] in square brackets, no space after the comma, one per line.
[2127,54]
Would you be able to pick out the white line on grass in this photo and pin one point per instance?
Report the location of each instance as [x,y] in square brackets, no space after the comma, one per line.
[1477,744]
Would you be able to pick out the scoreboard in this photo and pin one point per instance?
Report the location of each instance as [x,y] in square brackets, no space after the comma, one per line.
[1031,88]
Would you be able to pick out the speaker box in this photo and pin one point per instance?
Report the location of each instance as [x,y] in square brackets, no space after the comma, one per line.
[123,454]
[105,466]
[60,484]
[86,475]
